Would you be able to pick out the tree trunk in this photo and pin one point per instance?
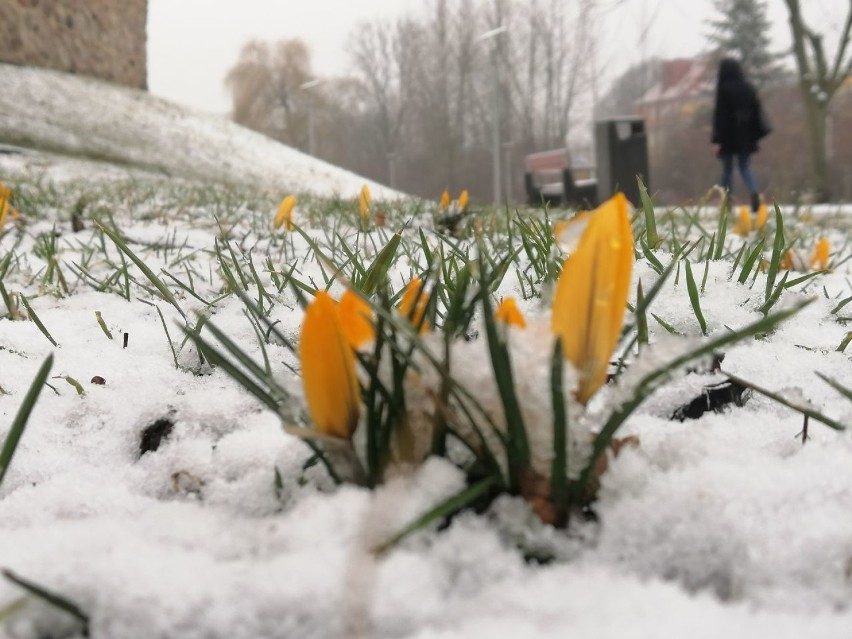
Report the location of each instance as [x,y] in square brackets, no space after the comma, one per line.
[818,81]
[817,114]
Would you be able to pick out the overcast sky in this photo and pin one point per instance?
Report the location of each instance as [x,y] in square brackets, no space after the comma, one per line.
[193,43]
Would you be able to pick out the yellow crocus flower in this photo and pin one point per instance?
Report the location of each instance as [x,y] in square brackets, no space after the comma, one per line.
[285,213]
[509,313]
[463,200]
[328,369]
[786,262]
[743,227]
[364,203]
[4,212]
[5,208]
[356,319]
[591,294]
[411,295]
[445,200]
[761,216]
[821,253]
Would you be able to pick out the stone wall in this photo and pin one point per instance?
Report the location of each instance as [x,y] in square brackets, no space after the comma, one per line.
[101,38]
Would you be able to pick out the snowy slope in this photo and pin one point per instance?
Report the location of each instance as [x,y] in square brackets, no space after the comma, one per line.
[79,116]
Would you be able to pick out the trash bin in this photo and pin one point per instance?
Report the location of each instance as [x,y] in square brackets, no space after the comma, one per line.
[621,149]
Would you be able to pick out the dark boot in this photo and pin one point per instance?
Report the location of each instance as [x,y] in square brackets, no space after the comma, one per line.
[755,202]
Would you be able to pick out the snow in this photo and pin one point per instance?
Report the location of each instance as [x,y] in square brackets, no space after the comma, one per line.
[96,120]
[724,526]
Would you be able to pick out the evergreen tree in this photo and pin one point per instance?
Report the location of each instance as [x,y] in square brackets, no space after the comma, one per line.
[742,31]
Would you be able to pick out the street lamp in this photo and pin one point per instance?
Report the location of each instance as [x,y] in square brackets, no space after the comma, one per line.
[305,86]
[495,118]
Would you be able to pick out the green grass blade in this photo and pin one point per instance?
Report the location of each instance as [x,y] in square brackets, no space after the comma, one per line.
[802,279]
[168,337]
[427,252]
[777,253]
[655,263]
[441,511]
[73,382]
[518,447]
[799,408]
[650,217]
[4,264]
[722,229]
[156,281]
[776,295]
[20,421]
[12,608]
[840,306]
[641,317]
[846,392]
[671,330]
[102,324]
[692,289]
[7,301]
[378,270]
[750,262]
[841,348]
[737,260]
[37,321]
[559,467]
[54,599]
[217,358]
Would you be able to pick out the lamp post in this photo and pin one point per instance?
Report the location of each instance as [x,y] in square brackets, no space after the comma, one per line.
[495,117]
[305,86]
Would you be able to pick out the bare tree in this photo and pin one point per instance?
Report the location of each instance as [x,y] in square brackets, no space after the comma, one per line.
[819,80]
[383,54]
[264,86]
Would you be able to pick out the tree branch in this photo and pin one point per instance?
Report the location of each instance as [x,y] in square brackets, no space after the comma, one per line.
[837,77]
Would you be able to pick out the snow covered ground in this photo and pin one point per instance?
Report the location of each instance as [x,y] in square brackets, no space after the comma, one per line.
[723,526]
[83,117]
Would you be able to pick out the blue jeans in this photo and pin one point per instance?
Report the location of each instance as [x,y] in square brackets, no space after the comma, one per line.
[744,164]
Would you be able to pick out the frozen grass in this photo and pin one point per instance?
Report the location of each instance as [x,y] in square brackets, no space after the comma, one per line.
[230,527]
[164,498]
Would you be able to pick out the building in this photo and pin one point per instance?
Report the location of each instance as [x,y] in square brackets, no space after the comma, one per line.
[101,38]
[683,86]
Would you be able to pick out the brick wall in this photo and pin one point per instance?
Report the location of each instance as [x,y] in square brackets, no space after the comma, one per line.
[100,38]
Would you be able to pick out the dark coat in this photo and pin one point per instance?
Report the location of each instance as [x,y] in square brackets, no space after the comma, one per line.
[738,118]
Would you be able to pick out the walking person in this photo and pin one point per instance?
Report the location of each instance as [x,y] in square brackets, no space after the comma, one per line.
[738,123]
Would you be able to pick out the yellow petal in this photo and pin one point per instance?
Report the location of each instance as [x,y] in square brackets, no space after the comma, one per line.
[411,296]
[328,370]
[591,294]
[463,200]
[356,320]
[761,216]
[285,213]
[821,253]
[364,201]
[509,313]
[445,200]
[4,212]
[743,227]
[786,262]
